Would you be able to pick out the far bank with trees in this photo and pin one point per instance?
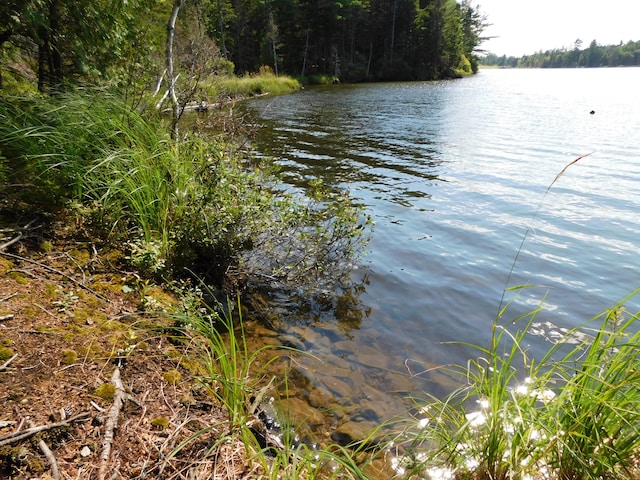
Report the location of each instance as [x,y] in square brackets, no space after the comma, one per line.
[593,56]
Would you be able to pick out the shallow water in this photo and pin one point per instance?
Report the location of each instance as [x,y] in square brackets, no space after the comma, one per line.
[456,175]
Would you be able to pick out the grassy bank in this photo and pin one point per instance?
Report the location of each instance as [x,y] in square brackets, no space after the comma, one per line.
[140,209]
[265,82]
[133,209]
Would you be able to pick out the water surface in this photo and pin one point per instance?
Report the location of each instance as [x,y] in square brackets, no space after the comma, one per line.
[456,176]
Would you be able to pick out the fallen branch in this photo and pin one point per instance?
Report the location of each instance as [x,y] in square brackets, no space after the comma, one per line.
[6,364]
[111,423]
[58,272]
[48,454]
[53,463]
[11,242]
[6,317]
[21,435]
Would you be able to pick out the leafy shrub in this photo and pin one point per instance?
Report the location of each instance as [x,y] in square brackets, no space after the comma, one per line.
[194,203]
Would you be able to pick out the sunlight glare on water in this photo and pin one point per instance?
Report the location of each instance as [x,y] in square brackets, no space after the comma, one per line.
[455,175]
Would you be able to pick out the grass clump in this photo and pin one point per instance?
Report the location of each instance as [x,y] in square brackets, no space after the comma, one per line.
[236,377]
[571,415]
[264,82]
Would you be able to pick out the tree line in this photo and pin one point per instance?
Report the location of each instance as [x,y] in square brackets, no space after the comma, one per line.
[57,41]
[356,40]
[623,54]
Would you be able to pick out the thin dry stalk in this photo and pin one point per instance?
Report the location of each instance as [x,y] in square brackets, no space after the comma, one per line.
[526,233]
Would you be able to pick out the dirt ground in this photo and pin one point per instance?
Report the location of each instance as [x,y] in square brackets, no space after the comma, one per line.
[69,318]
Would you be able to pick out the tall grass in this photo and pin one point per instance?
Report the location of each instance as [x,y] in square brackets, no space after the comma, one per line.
[251,85]
[237,377]
[194,202]
[572,414]
[175,203]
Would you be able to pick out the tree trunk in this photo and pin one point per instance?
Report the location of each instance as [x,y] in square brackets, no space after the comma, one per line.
[43,56]
[171,29]
[306,50]
[56,74]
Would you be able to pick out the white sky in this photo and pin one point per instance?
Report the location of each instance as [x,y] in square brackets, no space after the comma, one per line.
[527,26]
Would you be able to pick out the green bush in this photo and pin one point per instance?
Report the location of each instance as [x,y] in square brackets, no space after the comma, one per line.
[196,202]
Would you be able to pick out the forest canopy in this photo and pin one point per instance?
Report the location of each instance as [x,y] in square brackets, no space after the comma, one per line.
[51,42]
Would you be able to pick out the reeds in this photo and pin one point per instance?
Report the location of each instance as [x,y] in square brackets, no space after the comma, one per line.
[572,414]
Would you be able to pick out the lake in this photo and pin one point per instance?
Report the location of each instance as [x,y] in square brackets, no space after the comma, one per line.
[456,176]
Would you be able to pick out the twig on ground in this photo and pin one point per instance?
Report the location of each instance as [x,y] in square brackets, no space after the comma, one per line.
[84,277]
[21,435]
[111,422]
[48,454]
[24,272]
[53,270]
[8,297]
[6,364]
[97,407]
[11,242]
[46,311]
[6,317]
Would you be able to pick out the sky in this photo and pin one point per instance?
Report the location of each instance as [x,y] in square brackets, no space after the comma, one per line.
[526,26]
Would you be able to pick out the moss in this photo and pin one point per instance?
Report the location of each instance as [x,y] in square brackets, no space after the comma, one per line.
[172,377]
[107,287]
[82,256]
[106,391]
[161,297]
[51,291]
[112,326]
[160,423]
[114,257]
[5,265]
[13,457]
[6,353]
[20,278]
[34,465]
[92,302]
[28,311]
[69,357]
[194,367]
[92,349]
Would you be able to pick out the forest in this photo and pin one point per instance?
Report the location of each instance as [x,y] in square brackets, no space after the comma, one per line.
[354,40]
[122,42]
[621,55]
